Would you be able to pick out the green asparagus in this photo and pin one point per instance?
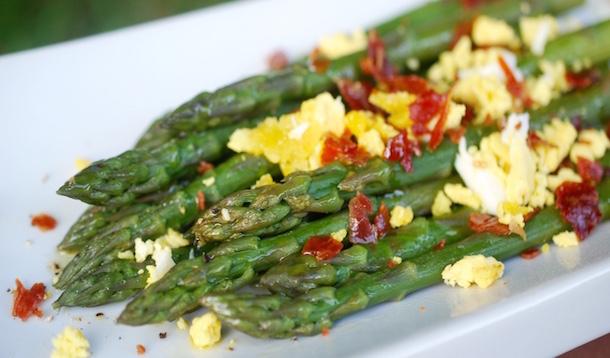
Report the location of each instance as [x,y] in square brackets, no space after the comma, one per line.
[407,36]
[175,212]
[277,316]
[301,273]
[234,263]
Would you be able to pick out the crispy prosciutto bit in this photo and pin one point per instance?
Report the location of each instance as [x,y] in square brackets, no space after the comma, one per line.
[480,223]
[376,63]
[361,231]
[471,4]
[441,245]
[515,87]
[401,149]
[204,167]
[356,94]
[437,133]
[463,28]
[26,302]
[277,60]
[322,247]
[534,140]
[423,109]
[200,201]
[530,253]
[582,79]
[342,149]
[318,62]
[382,221]
[413,84]
[578,204]
[455,134]
[44,222]
[589,171]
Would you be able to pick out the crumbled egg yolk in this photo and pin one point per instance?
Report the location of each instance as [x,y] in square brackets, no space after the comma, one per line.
[441,205]
[339,235]
[265,179]
[70,343]
[591,145]
[563,175]
[294,140]
[560,135]
[396,260]
[487,31]
[205,330]
[401,216]
[459,194]
[566,239]
[549,85]
[487,95]
[161,252]
[209,181]
[371,131]
[81,163]
[545,248]
[396,104]
[182,324]
[537,31]
[478,269]
[341,44]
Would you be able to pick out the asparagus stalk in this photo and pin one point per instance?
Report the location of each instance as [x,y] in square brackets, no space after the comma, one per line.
[408,36]
[177,211]
[276,316]
[234,263]
[301,273]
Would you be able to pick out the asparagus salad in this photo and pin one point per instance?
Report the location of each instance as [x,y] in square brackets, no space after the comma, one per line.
[424,150]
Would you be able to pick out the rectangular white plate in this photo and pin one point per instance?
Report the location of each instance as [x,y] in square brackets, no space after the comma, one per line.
[91,98]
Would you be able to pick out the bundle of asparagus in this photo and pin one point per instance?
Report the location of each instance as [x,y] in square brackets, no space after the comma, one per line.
[236,234]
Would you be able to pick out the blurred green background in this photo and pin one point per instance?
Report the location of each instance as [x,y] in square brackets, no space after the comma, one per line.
[26,24]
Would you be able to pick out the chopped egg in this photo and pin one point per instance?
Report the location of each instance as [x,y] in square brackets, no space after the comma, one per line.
[487,95]
[162,256]
[396,104]
[559,136]
[205,330]
[549,85]
[276,139]
[563,175]
[182,324]
[126,255]
[396,260]
[591,145]
[502,171]
[512,214]
[70,343]
[172,239]
[487,31]
[209,181]
[441,205]
[566,239]
[265,179]
[342,44]
[478,269]
[459,194]
[545,248]
[81,163]
[537,31]
[143,249]
[401,216]
[339,235]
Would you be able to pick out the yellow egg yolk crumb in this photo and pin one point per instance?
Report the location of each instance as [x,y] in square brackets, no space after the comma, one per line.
[265,179]
[473,270]
[401,216]
[591,145]
[566,239]
[339,235]
[205,330]
[459,194]
[341,44]
[487,31]
[70,343]
[537,31]
[441,205]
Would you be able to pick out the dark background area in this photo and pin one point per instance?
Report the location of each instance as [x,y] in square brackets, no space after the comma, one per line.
[27,24]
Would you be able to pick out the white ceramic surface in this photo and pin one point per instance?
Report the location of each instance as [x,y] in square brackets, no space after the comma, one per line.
[91,98]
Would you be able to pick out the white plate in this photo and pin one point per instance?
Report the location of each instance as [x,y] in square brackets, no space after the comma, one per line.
[91,98]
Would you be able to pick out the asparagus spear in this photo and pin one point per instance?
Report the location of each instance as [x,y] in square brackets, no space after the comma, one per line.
[120,180]
[421,39]
[175,212]
[181,288]
[276,316]
[301,273]
[260,211]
